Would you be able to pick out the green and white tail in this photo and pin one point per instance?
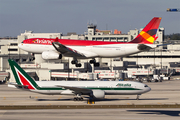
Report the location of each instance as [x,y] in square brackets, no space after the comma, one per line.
[21,77]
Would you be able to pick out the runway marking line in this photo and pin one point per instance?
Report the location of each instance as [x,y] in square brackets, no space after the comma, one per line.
[3,112]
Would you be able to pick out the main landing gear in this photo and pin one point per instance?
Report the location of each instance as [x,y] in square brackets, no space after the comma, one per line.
[78,97]
[76,63]
[96,64]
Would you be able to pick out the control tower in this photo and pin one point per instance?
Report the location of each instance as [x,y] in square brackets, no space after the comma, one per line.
[91,29]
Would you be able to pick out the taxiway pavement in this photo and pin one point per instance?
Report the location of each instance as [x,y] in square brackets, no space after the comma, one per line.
[91,114]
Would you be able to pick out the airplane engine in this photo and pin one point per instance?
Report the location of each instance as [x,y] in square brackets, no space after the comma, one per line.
[99,94]
[51,55]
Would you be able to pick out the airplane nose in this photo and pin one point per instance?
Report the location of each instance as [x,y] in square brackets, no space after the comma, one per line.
[20,45]
[148,89]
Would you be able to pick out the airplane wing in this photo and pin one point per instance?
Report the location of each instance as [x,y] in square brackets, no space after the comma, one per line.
[164,44]
[76,89]
[66,50]
[146,47]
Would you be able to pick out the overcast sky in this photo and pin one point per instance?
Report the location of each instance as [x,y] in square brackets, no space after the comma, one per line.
[64,16]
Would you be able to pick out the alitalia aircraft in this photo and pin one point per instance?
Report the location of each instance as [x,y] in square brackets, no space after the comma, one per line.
[85,49]
[93,89]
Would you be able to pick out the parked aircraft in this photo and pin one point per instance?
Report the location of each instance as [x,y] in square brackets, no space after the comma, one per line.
[83,49]
[93,89]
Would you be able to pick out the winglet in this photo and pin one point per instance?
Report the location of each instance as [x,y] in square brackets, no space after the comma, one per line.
[148,34]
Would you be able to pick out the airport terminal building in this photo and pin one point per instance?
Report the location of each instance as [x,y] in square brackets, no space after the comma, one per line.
[160,61]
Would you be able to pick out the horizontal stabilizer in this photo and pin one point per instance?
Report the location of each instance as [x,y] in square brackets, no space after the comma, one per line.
[19,86]
[163,45]
[144,47]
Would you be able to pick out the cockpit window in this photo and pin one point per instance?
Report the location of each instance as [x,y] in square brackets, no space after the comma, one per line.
[145,85]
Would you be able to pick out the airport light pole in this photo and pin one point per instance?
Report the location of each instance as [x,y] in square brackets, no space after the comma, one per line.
[9,51]
[161,57]
[68,68]
[154,58]
[137,61]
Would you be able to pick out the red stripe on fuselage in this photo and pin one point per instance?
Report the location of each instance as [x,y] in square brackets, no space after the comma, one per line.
[70,42]
[25,82]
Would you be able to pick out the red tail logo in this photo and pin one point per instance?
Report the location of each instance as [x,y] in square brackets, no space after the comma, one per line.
[148,34]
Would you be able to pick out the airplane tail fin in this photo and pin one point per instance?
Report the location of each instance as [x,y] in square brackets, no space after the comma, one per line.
[21,77]
[148,34]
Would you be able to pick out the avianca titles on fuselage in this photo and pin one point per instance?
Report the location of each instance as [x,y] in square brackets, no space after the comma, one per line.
[82,49]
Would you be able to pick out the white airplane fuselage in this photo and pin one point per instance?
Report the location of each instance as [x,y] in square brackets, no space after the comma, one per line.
[104,51]
[109,87]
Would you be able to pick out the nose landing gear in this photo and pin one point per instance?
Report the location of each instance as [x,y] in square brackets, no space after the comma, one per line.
[137,98]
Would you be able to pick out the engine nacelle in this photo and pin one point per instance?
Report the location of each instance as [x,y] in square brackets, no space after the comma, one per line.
[51,55]
[99,94]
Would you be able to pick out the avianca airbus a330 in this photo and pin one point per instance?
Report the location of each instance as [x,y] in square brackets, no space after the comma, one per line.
[83,49]
[93,89]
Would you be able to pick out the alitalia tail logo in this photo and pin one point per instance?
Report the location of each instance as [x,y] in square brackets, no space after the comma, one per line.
[23,80]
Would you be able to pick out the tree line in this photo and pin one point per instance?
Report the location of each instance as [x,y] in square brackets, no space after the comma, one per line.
[174,36]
